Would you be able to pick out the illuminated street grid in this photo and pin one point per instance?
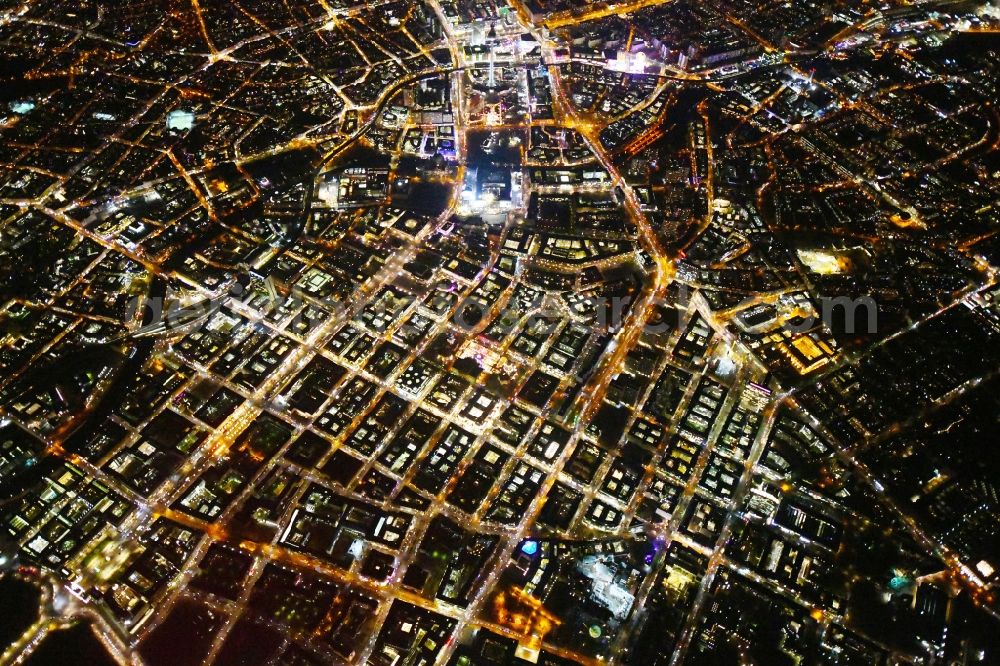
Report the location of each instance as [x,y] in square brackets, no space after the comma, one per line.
[462,332]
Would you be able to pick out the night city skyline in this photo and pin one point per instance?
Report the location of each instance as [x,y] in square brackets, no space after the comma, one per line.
[499,332]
